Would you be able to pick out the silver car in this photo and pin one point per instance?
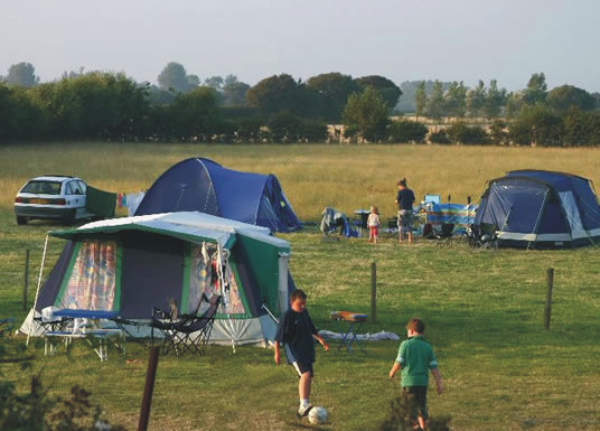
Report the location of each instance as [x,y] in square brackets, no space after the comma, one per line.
[55,197]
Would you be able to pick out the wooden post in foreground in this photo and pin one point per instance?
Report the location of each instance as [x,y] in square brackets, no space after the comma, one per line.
[373,292]
[26,280]
[148,389]
[548,308]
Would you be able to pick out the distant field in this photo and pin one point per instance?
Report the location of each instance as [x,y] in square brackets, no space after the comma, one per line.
[313,176]
[483,308]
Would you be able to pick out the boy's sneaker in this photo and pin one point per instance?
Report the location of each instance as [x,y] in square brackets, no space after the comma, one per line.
[303,411]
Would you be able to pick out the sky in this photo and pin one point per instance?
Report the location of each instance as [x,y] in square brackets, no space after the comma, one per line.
[466,40]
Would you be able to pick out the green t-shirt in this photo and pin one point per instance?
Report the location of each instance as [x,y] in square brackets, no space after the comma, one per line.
[416,357]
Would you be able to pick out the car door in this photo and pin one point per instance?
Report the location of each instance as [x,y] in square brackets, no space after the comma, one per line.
[83,198]
[76,197]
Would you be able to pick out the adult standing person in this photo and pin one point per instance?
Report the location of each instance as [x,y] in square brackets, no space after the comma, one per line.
[405,200]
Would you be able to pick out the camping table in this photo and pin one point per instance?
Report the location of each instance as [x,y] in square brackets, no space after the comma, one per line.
[94,334]
[354,322]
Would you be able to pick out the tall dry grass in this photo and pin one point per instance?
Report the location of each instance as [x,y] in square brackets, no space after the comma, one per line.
[313,176]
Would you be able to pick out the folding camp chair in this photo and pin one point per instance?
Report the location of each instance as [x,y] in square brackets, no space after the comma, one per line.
[354,322]
[185,332]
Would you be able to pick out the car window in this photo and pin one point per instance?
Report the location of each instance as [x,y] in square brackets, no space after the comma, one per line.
[42,187]
[76,188]
[83,187]
[69,188]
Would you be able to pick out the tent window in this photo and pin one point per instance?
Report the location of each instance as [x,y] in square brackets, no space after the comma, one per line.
[92,281]
[204,278]
[515,207]
[572,212]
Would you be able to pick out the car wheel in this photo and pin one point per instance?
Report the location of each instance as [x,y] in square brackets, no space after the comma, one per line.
[21,220]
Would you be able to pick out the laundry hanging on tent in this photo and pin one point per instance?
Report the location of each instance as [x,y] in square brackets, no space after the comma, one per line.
[131,201]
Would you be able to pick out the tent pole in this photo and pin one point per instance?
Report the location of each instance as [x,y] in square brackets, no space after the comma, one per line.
[37,291]
[536,227]
[270,314]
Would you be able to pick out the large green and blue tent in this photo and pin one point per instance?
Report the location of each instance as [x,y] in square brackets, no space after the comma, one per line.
[536,208]
[199,184]
[131,265]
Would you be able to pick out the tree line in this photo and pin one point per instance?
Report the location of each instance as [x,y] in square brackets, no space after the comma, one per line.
[182,107]
[112,106]
[453,99]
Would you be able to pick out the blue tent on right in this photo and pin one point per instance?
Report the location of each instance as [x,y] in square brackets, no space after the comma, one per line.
[540,209]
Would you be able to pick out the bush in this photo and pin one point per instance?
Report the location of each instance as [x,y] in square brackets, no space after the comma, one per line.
[313,131]
[439,137]
[287,127]
[498,134]
[406,131]
[537,125]
[248,130]
[463,134]
[284,127]
[367,114]
[581,128]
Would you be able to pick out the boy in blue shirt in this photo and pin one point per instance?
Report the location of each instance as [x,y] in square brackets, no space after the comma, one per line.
[415,359]
[297,331]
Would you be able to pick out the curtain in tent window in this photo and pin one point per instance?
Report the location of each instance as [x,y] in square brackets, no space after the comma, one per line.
[204,278]
[92,283]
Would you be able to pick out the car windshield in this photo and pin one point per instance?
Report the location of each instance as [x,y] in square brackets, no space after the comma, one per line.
[42,187]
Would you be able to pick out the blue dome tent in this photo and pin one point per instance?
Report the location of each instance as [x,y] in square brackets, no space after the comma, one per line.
[535,208]
[199,184]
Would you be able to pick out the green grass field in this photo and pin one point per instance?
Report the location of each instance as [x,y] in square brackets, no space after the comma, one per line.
[484,308]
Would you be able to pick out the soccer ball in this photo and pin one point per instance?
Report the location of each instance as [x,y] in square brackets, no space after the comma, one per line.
[317,415]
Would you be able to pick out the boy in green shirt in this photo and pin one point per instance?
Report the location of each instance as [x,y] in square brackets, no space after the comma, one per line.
[415,359]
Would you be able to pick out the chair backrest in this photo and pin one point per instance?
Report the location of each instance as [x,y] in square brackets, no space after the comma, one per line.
[434,199]
[214,302]
[196,323]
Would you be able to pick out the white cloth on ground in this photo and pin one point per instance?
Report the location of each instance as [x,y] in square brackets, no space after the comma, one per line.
[378,336]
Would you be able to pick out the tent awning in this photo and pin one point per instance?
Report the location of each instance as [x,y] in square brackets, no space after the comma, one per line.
[189,226]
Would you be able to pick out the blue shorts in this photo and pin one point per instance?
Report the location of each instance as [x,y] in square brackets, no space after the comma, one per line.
[303,368]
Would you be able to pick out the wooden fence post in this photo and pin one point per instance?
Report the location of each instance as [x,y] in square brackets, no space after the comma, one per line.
[148,389]
[548,308]
[26,280]
[373,292]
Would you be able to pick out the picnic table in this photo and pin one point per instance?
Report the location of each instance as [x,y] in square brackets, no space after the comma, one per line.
[70,324]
